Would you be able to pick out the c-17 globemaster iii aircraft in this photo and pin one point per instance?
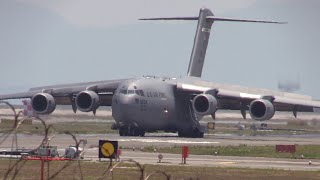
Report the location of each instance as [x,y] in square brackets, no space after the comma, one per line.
[150,103]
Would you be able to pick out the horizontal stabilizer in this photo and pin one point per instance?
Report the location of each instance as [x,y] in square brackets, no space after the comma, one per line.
[212,18]
[241,20]
[172,18]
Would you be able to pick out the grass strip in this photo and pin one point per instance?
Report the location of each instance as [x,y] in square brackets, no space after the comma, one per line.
[308,151]
[94,170]
[61,127]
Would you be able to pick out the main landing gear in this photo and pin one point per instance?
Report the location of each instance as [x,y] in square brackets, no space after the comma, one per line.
[131,131]
[193,133]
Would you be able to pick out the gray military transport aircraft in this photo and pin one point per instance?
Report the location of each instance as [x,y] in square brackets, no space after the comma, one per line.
[151,103]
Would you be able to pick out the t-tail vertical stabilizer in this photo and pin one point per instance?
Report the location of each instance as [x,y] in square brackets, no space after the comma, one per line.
[200,44]
[201,39]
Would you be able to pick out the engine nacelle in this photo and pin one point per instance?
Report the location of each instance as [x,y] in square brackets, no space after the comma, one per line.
[87,101]
[43,103]
[261,110]
[204,104]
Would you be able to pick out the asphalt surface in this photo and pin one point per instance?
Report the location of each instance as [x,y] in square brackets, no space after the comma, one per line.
[170,139]
[218,161]
[163,140]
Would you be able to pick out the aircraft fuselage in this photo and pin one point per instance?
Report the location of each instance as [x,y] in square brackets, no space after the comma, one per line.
[148,104]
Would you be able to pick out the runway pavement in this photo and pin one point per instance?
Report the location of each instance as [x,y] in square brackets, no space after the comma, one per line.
[218,161]
[165,140]
[169,139]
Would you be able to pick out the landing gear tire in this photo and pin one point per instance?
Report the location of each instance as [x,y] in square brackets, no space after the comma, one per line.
[134,132]
[123,131]
[129,131]
[142,133]
[199,135]
[195,133]
[181,134]
[139,132]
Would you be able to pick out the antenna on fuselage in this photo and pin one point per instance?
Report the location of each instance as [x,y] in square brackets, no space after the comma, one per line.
[201,39]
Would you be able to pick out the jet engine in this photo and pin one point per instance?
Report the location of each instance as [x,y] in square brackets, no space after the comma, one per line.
[43,103]
[87,101]
[261,110]
[204,104]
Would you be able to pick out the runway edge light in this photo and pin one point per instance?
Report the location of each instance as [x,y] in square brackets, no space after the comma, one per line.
[108,149]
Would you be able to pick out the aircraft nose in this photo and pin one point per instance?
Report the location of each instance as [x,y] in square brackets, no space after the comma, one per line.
[124,107]
[125,100]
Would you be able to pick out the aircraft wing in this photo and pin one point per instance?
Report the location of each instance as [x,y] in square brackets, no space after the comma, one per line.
[280,103]
[233,98]
[65,92]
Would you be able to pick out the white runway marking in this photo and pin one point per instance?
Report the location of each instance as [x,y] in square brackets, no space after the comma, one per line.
[168,141]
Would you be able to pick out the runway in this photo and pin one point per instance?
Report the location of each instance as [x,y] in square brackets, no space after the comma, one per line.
[221,161]
[165,140]
[169,139]
[158,140]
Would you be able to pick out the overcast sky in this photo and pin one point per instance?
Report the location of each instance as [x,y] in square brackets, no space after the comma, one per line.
[46,42]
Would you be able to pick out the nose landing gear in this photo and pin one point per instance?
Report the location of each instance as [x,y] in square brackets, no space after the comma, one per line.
[193,133]
[131,130]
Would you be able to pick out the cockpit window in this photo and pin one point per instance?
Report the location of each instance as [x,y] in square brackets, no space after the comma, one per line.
[130,91]
[141,92]
[137,92]
[122,91]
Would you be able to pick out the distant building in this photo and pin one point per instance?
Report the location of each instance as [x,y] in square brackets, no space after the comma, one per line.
[289,86]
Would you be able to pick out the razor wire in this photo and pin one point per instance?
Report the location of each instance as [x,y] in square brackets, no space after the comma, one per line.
[15,165]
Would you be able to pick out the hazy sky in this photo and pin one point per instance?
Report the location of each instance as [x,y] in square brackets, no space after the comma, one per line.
[46,42]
